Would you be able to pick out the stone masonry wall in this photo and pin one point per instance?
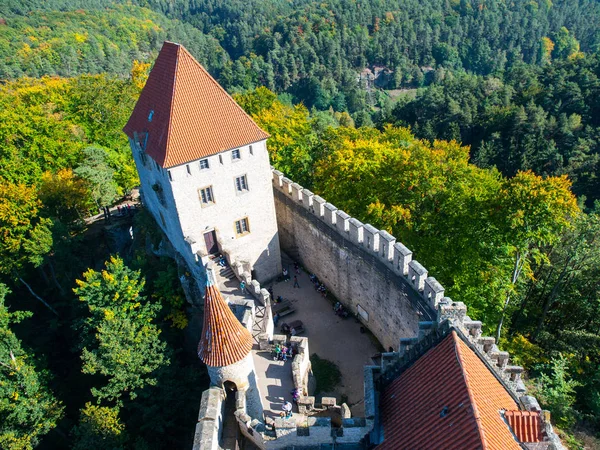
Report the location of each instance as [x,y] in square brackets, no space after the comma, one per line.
[362,266]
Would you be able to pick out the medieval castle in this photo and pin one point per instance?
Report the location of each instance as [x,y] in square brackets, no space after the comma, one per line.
[206,178]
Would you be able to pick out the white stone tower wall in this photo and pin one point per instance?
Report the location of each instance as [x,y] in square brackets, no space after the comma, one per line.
[259,249]
[150,173]
[243,374]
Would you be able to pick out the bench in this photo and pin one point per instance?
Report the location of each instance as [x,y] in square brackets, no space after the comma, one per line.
[283,309]
[297,325]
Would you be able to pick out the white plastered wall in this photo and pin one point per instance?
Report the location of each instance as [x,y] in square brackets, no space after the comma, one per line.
[258,249]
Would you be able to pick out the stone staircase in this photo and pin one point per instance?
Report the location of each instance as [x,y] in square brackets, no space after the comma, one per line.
[227,276]
[226,272]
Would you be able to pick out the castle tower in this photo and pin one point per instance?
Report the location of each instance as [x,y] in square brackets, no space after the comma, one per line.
[204,168]
[226,348]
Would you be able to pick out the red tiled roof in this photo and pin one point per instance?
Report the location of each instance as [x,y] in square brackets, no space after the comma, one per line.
[448,399]
[224,339]
[191,114]
[527,425]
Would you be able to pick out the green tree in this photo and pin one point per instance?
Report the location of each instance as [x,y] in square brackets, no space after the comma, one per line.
[556,391]
[99,427]
[28,410]
[535,212]
[25,237]
[119,339]
[96,170]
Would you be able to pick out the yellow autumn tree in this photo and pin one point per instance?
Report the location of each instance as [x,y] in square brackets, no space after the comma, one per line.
[65,196]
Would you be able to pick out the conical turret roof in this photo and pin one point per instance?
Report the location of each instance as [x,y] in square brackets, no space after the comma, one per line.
[224,340]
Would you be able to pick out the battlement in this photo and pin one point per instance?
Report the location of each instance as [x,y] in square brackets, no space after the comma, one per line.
[379,243]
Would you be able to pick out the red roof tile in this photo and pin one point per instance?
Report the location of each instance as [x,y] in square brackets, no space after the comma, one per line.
[448,399]
[191,114]
[224,339]
[527,425]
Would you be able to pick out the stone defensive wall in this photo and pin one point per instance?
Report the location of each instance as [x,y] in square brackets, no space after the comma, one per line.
[365,268]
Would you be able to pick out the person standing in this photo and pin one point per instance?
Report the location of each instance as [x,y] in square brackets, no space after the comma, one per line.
[243,286]
[296,285]
[287,409]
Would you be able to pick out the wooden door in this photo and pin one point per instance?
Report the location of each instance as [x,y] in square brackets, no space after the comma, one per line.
[210,239]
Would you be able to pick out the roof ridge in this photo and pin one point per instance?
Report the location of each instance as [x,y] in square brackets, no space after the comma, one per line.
[461,363]
[211,78]
[170,126]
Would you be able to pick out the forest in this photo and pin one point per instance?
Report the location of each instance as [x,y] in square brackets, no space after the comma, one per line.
[479,149]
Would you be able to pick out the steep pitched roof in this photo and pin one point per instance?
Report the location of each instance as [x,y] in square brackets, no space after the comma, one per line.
[224,339]
[448,399]
[186,113]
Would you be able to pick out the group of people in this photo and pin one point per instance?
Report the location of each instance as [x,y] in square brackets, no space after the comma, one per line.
[125,210]
[282,353]
[285,328]
[287,406]
[319,287]
[339,310]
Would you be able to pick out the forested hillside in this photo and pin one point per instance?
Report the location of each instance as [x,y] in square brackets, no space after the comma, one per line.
[493,186]
[94,41]
[545,119]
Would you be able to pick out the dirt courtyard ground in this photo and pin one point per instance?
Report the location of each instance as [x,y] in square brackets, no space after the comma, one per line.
[329,336]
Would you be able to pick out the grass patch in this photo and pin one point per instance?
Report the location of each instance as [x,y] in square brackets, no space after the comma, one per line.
[327,374]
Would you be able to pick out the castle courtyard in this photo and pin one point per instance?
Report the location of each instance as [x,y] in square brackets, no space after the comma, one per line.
[331,337]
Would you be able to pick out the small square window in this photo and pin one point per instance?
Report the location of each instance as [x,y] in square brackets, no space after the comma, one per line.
[204,164]
[206,196]
[242,226]
[241,184]
[235,154]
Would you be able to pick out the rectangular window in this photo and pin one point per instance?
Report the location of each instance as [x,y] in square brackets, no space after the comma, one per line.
[241,184]
[170,176]
[251,151]
[189,170]
[204,164]
[206,196]
[221,159]
[242,227]
[235,154]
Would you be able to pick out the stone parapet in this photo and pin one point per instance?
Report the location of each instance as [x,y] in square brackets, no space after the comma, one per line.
[301,366]
[210,420]
[378,242]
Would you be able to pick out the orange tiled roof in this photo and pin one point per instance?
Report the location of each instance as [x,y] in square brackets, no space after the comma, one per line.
[527,425]
[224,339]
[191,114]
[448,399]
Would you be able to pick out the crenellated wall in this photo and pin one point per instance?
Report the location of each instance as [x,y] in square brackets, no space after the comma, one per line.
[365,268]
